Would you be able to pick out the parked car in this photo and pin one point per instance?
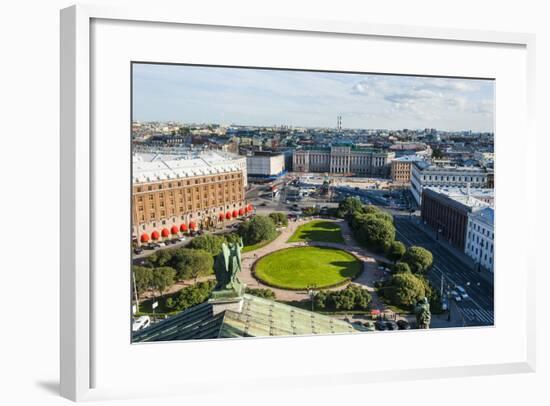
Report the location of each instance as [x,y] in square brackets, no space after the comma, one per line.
[161,244]
[141,322]
[380,325]
[391,325]
[369,325]
[462,292]
[175,240]
[182,238]
[138,250]
[153,246]
[403,325]
[456,297]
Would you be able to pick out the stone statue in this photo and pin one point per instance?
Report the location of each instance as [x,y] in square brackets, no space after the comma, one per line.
[226,267]
[422,313]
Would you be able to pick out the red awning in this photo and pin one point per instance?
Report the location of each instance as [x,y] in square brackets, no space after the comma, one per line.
[235,213]
[183,228]
[165,233]
[228,215]
[155,235]
[250,208]
[241,212]
[192,225]
[144,237]
[174,229]
[220,217]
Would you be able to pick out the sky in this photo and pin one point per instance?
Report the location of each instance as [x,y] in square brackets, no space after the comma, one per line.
[267,97]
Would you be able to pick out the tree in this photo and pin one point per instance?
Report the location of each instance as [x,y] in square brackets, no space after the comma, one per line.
[401,267]
[208,242]
[191,263]
[143,277]
[163,278]
[418,258]
[260,228]
[373,231]
[396,251]
[232,238]
[349,206]
[194,295]
[405,289]
[279,218]
[159,258]
[437,153]
[381,214]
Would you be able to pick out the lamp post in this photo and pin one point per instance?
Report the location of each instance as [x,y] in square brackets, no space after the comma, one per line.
[311,293]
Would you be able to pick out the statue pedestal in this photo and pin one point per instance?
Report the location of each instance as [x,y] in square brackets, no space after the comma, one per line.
[233,304]
[227,299]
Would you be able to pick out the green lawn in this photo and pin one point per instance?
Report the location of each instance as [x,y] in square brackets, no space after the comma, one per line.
[298,268]
[318,230]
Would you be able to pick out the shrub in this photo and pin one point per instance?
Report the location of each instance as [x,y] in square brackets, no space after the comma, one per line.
[260,292]
[353,297]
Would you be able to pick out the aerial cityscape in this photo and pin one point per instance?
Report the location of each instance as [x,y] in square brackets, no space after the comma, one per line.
[285,202]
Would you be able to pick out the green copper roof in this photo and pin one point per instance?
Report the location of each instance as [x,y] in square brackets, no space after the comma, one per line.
[259,317]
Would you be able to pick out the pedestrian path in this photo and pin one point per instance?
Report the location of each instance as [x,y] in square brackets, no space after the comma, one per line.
[370,273]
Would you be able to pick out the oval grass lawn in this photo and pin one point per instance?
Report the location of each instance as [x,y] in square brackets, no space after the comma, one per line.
[298,268]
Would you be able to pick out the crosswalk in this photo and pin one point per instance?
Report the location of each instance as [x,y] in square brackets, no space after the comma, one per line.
[476,317]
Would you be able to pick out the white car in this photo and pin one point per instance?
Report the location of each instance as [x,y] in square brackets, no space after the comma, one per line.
[182,238]
[462,292]
[141,322]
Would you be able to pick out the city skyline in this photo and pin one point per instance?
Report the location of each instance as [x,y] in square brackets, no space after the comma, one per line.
[268,97]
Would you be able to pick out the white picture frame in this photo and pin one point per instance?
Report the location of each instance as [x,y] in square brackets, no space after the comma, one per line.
[77,188]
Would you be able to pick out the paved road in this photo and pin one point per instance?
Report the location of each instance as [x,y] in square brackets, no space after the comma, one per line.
[478,310]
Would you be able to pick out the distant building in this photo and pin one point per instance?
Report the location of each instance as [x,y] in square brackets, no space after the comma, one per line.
[265,164]
[447,211]
[175,193]
[480,238]
[424,174]
[401,169]
[343,159]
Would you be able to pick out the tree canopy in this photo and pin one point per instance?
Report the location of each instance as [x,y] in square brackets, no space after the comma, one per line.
[208,242]
[396,251]
[279,218]
[260,228]
[349,206]
[419,259]
[405,289]
[163,278]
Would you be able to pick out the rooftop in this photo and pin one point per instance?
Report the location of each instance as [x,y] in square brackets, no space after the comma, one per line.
[424,165]
[152,167]
[409,158]
[259,317]
[472,198]
[486,216]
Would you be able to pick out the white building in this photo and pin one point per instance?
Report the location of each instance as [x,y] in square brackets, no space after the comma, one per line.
[480,237]
[265,164]
[424,174]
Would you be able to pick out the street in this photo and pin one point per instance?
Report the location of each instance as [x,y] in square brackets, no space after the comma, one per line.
[478,309]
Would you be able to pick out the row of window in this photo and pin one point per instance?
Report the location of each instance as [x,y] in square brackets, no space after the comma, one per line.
[188,182]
